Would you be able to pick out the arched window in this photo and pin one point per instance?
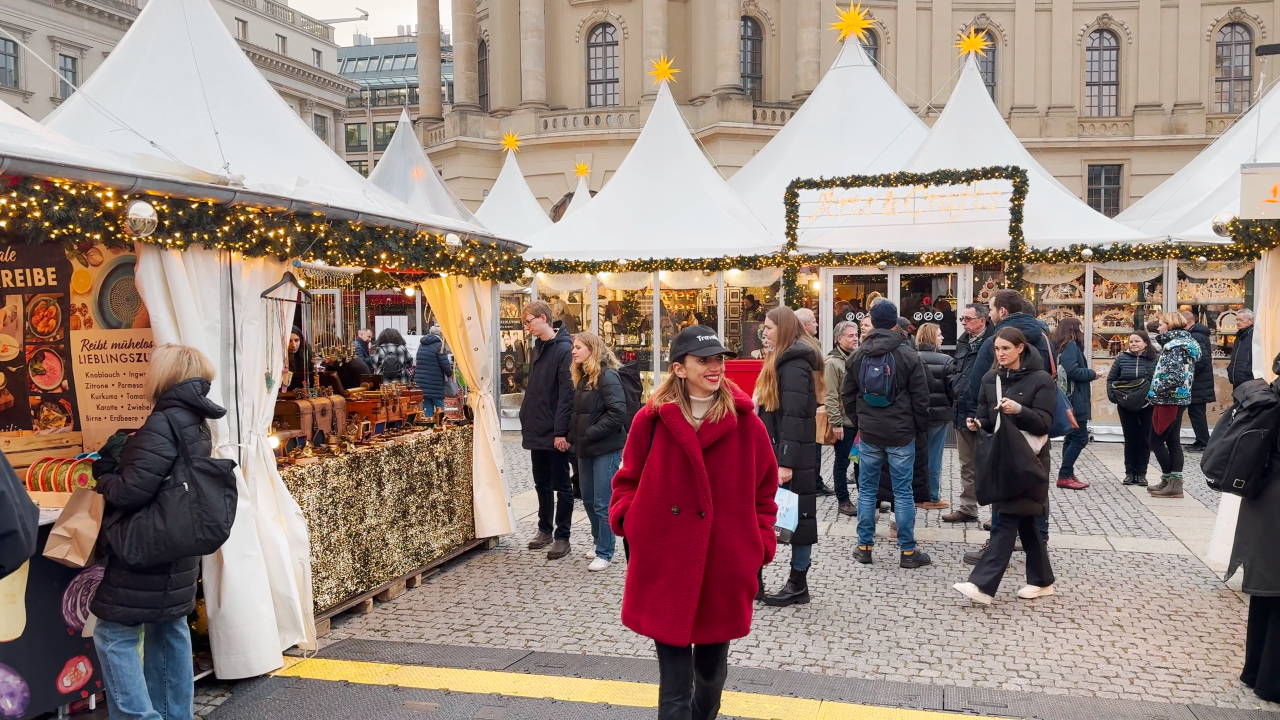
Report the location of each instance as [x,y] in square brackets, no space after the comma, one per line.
[751,38]
[482,70]
[872,46]
[1102,75]
[602,66]
[987,63]
[1233,80]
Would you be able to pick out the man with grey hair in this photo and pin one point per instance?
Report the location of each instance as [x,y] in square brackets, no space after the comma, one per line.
[833,371]
[977,328]
[1240,369]
[809,322]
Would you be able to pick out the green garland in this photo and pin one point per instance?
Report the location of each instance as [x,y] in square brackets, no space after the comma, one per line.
[715,264]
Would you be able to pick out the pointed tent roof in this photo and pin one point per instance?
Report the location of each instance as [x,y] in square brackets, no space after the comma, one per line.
[179,87]
[581,196]
[970,133]
[852,124]
[407,174]
[511,210]
[665,201]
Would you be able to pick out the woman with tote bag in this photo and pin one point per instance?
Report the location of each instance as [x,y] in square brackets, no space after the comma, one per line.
[1016,395]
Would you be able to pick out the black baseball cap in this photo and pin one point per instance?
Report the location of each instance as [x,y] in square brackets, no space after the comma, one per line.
[699,341]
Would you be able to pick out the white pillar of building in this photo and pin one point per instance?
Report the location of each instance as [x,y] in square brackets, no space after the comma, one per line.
[466,77]
[430,101]
[533,54]
[808,47]
[728,47]
[654,20]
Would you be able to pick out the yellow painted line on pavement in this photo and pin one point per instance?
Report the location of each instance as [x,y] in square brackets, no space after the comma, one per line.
[582,690]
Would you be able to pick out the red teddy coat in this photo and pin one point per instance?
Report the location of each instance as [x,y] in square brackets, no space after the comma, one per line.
[697,511]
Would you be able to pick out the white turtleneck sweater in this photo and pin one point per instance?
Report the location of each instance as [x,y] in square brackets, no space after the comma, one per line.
[700,407]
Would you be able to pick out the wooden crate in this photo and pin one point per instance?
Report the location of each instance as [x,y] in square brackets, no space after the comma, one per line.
[23,448]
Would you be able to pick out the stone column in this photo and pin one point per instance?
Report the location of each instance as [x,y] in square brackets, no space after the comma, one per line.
[1189,110]
[728,47]
[808,47]
[1063,115]
[466,78]
[654,20]
[1024,116]
[430,103]
[533,54]
[943,60]
[908,50]
[1148,111]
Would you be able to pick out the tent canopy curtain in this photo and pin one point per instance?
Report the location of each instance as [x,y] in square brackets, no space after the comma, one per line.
[1130,272]
[563,283]
[686,279]
[763,277]
[626,280]
[1233,270]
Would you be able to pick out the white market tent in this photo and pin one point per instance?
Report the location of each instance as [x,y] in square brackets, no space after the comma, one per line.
[581,196]
[1183,206]
[970,133]
[852,124]
[665,201]
[511,210]
[179,88]
[406,173]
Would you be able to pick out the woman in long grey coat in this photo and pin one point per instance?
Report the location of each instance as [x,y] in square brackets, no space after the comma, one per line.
[1257,536]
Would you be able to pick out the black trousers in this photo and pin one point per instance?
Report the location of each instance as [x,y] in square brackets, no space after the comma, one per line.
[1137,439]
[555,497]
[1199,414]
[817,465]
[1168,445]
[990,570]
[1262,648]
[691,679]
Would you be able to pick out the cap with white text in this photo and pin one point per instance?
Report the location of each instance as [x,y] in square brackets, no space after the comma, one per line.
[699,341]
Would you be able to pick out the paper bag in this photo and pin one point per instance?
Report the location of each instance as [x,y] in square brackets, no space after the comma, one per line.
[74,535]
[788,510]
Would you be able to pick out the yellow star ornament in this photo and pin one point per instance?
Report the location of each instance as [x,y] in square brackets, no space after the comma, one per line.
[852,22]
[973,43]
[511,141]
[662,70]
[582,170]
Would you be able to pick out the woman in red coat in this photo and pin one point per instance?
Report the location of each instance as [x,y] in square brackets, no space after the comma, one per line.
[694,502]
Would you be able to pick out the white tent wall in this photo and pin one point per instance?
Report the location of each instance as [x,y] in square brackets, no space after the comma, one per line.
[258,585]
[581,196]
[408,175]
[511,210]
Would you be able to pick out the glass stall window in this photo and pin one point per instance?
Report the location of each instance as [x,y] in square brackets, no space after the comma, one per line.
[625,320]
[1126,297]
[748,296]
[930,298]
[853,294]
[569,298]
[1215,292]
[513,359]
[687,299]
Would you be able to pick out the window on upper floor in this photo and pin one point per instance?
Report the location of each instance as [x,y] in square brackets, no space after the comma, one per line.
[360,166]
[8,63]
[1233,76]
[317,58]
[1102,75]
[872,46]
[1105,184]
[482,73]
[397,63]
[242,29]
[362,65]
[411,62]
[602,66]
[751,46]
[68,74]
[282,45]
[382,132]
[320,123]
[987,63]
[357,137]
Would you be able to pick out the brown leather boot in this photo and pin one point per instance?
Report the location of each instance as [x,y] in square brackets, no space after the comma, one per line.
[1172,490]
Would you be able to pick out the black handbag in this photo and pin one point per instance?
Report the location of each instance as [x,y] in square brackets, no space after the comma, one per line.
[1006,467]
[191,515]
[1131,394]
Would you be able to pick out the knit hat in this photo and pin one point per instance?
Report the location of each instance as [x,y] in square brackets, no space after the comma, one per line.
[884,316]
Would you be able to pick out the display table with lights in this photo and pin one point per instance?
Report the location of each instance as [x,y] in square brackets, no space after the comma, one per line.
[384,511]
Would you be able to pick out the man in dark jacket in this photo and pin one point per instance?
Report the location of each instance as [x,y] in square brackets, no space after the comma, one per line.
[361,344]
[1202,390]
[977,328]
[1009,309]
[890,408]
[432,370]
[19,520]
[546,415]
[1240,369]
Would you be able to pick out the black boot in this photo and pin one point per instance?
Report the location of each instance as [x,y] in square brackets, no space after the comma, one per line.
[796,591]
[760,585]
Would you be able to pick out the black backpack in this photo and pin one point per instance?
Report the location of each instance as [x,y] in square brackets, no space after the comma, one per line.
[1243,442]
[191,516]
[391,364]
[632,389]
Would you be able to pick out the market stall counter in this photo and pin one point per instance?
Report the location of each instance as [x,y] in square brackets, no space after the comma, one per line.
[384,510]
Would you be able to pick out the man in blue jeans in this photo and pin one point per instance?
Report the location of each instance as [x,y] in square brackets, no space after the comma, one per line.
[833,370]
[886,398]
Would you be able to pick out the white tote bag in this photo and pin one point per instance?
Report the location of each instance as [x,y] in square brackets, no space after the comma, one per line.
[1035,441]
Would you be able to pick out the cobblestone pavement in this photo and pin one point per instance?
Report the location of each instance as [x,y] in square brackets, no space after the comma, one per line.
[1140,617]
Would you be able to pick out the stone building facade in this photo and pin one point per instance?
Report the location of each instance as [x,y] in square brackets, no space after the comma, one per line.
[1112,97]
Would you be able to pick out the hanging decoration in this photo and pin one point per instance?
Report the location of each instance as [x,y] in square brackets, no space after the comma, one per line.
[853,21]
[662,70]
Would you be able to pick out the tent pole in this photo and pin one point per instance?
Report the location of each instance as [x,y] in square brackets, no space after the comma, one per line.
[594,289]
[720,305]
[657,328]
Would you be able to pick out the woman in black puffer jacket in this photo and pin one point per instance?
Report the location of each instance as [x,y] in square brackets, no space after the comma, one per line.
[598,434]
[941,406]
[160,597]
[1132,366]
[787,395]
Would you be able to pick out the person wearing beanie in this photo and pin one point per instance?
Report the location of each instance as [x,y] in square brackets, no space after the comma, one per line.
[886,396]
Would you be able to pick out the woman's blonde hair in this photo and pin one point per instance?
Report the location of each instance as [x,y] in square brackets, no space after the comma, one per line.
[601,357]
[171,364]
[930,334]
[790,332]
[1175,320]
[674,389]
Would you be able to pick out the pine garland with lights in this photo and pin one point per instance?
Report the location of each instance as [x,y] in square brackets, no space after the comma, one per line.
[715,264]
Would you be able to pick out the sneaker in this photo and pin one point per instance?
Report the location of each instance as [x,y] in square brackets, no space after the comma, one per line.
[1032,592]
[540,541]
[972,592]
[973,556]
[1071,483]
[862,554]
[912,559]
[848,508]
[590,554]
[958,516]
[559,549]
[598,564]
[936,505]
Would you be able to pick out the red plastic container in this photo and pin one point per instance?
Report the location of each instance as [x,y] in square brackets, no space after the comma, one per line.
[744,373]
